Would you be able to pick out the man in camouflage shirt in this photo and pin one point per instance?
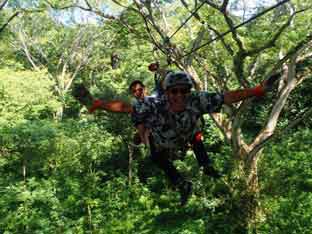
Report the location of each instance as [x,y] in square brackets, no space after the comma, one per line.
[173,130]
[172,120]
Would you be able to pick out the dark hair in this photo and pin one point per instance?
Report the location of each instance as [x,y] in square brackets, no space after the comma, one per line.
[135,82]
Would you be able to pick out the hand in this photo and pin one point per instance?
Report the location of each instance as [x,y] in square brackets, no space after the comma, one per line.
[153,67]
[268,84]
[82,94]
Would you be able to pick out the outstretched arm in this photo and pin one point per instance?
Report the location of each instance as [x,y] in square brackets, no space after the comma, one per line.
[111,106]
[258,91]
[82,94]
[239,95]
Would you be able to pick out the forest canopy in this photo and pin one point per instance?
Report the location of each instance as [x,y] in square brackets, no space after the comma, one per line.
[65,170]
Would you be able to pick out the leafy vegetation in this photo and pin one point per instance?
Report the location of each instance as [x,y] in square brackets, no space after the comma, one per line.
[64,170]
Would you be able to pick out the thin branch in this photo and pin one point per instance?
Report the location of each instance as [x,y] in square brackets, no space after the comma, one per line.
[21,36]
[195,43]
[220,82]
[237,141]
[126,7]
[238,26]
[187,19]
[271,43]
[83,61]
[231,25]
[252,68]
[266,134]
[153,40]
[2,5]
[295,122]
[226,46]
[149,18]
[277,134]
[185,4]
[224,6]
[8,21]
[124,23]
[88,4]
[212,4]
[95,11]
[291,52]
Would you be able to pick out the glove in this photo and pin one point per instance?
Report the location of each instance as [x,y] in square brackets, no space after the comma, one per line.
[82,95]
[269,83]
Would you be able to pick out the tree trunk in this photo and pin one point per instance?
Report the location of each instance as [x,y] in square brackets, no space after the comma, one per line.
[130,150]
[59,113]
[90,218]
[247,207]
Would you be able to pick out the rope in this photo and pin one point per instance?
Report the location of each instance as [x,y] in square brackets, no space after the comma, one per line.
[236,27]
[192,14]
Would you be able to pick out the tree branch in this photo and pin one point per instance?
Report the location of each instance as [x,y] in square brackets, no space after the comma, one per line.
[195,14]
[226,46]
[212,4]
[229,22]
[237,26]
[8,21]
[149,18]
[195,43]
[271,43]
[21,36]
[224,6]
[291,52]
[88,4]
[2,5]
[295,122]
[239,58]
[126,7]
[89,9]
[237,141]
[269,129]
[153,40]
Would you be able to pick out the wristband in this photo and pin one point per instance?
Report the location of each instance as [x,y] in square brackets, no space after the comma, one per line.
[198,137]
[96,105]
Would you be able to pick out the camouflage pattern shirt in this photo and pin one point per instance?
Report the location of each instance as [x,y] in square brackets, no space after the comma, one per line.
[171,130]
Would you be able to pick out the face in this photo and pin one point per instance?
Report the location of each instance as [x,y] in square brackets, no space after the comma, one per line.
[177,97]
[138,91]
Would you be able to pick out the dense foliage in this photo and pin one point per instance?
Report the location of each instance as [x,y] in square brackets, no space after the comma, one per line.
[64,170]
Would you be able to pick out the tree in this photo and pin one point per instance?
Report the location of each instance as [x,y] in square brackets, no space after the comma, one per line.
[200,37]
[6,22]
[244,56]
[47,45]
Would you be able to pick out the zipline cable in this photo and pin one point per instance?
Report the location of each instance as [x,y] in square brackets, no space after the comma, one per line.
[192,14]
[236,27]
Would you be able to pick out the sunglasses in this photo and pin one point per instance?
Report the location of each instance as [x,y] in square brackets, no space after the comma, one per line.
[136,90]
[183,91]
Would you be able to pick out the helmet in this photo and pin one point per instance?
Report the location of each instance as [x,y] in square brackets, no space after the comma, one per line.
[177,78]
